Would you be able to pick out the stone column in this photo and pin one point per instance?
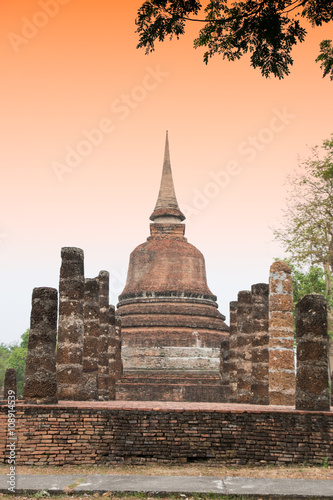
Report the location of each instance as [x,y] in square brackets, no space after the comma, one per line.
[103,343]
[244,345]
[281,338]
[225,361]
[71,326]
[260,340]
[10,383]
[330,344]
[91,340]
[233,351]
[112,351]
[119,363]
[312,389]
[40,382]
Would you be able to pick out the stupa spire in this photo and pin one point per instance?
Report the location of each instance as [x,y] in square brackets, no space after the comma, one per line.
[166,208]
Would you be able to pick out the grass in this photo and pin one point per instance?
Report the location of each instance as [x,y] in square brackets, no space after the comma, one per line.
[299,471]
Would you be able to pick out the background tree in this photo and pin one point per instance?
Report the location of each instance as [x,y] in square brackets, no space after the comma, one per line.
[306,281]
[326,58]
[307,228]
[25,339]
[14,356]
[4,355]
[266,29]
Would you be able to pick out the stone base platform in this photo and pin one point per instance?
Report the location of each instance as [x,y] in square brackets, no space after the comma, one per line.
[159,385]
[112,432]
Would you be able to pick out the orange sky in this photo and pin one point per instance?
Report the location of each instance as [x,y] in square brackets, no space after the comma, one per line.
[71,67]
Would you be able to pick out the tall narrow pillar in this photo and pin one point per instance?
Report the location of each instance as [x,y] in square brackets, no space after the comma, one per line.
[281,338]
[244,343]
[40,382]
[233,352]
[71,325]
[103,343]
[112,352]
[91,339]
[225,361]
[118,360]
[260,339]
[10,383]
[312,388]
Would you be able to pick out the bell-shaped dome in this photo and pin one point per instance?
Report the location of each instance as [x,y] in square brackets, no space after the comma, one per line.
[166,264]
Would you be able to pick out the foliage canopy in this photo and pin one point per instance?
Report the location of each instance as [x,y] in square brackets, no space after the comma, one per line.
[267,29]
[307,228]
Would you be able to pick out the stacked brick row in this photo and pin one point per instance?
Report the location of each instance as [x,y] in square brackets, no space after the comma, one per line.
[112,348]
[91,312]
[71,324]
[105,335]
[260,341]
[281,336]
[79,435]
[225,362]
[233,352]
[115,364]
[244,346]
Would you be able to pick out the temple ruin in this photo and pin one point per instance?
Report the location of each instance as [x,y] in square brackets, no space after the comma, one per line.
[162,378]
[167,340]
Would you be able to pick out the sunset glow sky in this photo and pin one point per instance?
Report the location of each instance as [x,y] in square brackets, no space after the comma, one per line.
[234,136]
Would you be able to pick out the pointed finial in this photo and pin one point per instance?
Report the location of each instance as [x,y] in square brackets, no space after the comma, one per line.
[166,208]
[167,149]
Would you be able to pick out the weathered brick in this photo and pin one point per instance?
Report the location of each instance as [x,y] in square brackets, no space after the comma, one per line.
[71,325]
[281,351]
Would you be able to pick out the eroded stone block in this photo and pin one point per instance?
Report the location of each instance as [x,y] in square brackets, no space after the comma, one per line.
[244,346]
[312,381]
[40,382]
[260,340]
[10,383]
[71,324]
[90,355]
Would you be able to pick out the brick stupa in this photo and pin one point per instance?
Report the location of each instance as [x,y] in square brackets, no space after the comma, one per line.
[171,327]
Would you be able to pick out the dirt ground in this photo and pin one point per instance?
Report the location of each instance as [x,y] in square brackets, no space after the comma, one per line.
[141,496]
[198,469]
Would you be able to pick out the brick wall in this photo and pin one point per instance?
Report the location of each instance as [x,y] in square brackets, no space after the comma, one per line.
[112,432]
